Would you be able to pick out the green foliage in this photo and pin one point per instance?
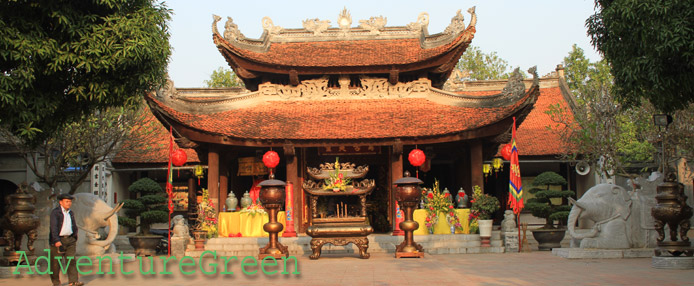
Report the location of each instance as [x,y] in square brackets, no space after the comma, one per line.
[597,126]
[649,45]
[126,221]
[483,205]
[477,65]
[541,205]
[150,206]
[222,77]
[549,178]
[145,186]
[60,60]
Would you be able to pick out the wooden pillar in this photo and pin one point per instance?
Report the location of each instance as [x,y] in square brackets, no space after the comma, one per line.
[192,200]
[396,169]
[476,175]
[292,164]
[213,175]
[223,180]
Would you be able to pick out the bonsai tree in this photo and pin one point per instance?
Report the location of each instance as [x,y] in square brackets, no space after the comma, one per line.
[150,206]
[541,205]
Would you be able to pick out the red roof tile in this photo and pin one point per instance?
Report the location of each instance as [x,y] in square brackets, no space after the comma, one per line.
[533,136]
[342,119]
[156,148]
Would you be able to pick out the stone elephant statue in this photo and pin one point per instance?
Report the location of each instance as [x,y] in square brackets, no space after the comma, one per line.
[92,216]
[618,218]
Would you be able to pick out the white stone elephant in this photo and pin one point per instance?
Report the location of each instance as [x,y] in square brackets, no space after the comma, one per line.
[94,216]
[618,218]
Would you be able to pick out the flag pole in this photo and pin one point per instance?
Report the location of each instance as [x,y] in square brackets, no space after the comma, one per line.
[169,190]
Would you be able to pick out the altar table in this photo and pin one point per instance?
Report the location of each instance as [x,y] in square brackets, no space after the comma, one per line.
[246,224]
[441,226]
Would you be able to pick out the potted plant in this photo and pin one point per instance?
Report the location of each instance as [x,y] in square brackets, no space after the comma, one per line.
[206,221]
[481,211]
[150,206]
[548,204]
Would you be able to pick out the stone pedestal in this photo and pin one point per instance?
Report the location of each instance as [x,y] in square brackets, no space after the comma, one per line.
[178,246]
[511,241]
[672,262]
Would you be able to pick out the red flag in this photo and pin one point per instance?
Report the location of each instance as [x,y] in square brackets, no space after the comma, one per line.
[169,187]
[515,198]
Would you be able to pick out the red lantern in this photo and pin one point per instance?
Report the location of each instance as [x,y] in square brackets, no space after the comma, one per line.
[179,157]
[271,159]
[417,157]
[506,151]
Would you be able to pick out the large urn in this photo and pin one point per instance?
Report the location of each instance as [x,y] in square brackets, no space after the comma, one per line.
[272,197]
[246,200]
[231,202]
[672,209]
[19,219]
[407,193]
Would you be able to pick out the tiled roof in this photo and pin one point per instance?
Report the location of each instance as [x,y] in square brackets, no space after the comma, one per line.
[342,119]
[346,53]
[533,137]
[153,145]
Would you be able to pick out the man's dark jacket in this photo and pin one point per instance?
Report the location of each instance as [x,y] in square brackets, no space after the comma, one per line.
[57,224]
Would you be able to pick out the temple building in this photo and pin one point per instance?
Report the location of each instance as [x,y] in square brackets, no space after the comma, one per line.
[368,95]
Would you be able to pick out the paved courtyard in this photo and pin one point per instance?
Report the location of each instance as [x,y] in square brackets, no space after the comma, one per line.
[535,268]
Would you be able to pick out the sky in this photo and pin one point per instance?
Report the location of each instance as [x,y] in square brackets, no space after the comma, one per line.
[524,33]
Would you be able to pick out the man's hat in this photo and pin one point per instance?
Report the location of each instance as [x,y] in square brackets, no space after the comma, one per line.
[65,196]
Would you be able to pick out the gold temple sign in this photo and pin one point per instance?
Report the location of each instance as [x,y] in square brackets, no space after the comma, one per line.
[251,166]
[349,150]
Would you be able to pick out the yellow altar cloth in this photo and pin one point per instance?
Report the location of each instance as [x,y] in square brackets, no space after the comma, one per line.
[246,224]
[441,226]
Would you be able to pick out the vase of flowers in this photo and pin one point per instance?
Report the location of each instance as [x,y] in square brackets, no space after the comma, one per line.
[337,182]
[207,215]
[438,203]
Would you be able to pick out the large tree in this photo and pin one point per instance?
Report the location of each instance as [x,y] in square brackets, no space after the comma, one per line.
[478,65]
[222,77]
[601,130]
[650,47]
[62,59]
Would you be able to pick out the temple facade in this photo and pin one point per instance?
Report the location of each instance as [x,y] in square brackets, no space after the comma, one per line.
[368,95]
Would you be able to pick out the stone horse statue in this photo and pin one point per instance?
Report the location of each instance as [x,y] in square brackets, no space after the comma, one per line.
[93,216]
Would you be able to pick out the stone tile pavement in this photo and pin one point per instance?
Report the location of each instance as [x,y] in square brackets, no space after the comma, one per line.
[534,268]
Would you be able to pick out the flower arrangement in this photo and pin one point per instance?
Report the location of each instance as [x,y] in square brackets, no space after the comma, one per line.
[436,201]
[207,218]
[254,209]
[337,182]
[483,206]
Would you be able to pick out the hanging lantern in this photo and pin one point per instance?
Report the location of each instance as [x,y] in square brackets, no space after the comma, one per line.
[498,164]
[506,151]
[199,172]
[179,157]
[271,159]
[416,157]
[486,169]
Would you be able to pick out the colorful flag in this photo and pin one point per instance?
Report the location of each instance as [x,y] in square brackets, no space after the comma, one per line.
[515,198]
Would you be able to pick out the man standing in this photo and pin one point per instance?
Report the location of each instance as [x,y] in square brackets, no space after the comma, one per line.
[63,240]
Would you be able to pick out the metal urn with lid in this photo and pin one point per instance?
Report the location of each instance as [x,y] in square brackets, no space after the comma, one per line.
[272,196]
[408,193]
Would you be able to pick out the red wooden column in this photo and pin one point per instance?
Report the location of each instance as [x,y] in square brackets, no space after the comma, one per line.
[396,167]
[476,175]
[223,180]
[292,164]
[192,199]
[213,175]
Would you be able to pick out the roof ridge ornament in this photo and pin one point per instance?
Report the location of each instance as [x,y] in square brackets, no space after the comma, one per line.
[270,27]
[344,20]
[231,31]
[317,26]
[375,24]
[421,24]
[457,23]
